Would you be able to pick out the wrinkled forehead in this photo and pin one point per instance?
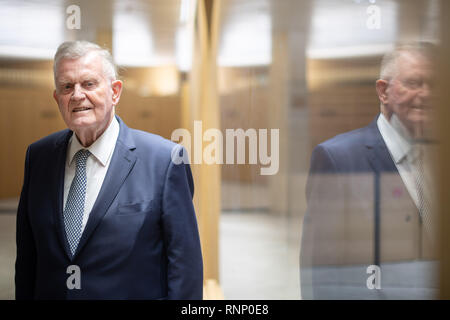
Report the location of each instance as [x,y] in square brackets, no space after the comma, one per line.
[89,64]
[414,63]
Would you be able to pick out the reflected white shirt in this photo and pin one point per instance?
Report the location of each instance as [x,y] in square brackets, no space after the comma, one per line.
[96,166]
[400,145]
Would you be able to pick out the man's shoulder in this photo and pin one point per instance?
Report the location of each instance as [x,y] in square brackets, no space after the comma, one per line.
[51,140]
[344,152]
[151,140]
[348,140]
[155,148]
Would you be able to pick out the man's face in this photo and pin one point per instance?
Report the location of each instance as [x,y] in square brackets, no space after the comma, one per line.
[409,92]
[85,95]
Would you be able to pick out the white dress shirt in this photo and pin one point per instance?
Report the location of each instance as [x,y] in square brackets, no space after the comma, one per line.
[401,147]
[96,166]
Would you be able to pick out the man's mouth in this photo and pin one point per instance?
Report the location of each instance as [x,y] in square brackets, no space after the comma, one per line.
[81,109]
[421,107]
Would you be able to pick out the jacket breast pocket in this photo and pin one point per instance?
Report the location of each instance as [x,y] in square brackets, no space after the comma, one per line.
[134,208]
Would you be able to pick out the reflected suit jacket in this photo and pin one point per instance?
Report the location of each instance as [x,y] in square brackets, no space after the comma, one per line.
[360,214]
[141,240]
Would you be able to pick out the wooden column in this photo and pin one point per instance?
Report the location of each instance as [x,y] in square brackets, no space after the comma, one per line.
[279,100]
[203,106]
[444,154]
[288,105]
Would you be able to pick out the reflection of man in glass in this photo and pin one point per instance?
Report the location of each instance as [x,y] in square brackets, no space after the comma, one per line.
[368,231]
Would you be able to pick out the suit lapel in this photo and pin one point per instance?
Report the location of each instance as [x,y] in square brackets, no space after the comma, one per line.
[57,183]
[122,162]
[381,161]
[377,152]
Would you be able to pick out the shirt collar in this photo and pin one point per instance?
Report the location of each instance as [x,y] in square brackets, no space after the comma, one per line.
[101,149]
[396,137]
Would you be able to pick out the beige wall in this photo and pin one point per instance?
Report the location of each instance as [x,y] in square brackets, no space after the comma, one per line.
[341,97]
[28,111]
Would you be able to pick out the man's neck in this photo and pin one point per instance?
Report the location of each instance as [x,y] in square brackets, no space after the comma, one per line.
[88,137]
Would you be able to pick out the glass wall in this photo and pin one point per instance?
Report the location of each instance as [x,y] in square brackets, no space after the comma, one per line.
[308,69]
[299,216]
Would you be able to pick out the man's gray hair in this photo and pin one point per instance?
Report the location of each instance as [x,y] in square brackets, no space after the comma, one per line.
[78,49]
[389,62]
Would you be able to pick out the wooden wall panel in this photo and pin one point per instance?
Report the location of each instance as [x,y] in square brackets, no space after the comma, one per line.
[245,109]
[27,114]
[159,115]
[443,169]
[341,108]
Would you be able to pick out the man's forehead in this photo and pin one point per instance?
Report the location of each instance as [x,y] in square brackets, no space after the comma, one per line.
[408,63]
[413,59]
[86,66]
[91,58]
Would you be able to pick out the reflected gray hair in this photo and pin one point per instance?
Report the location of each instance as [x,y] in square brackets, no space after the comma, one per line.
[389,62]
[78,49]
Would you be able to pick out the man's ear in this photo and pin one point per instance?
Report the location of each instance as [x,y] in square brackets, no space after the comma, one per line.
[55,96]
[116,86]
[381,86]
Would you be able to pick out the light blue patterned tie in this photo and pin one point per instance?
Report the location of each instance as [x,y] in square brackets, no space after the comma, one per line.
[74,210]
[425,206]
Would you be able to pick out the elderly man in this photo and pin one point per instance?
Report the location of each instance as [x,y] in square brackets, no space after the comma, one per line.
[368,231]
[104,213]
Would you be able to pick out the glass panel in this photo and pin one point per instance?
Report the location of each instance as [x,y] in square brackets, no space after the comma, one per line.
[359,221]
[310,208]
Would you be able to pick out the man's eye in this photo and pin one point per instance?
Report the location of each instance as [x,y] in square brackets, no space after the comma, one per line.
[414,83]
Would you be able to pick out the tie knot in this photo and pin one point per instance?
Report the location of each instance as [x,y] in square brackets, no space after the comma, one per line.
[81,157]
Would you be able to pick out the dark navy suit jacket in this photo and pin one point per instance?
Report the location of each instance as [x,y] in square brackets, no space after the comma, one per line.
[141,240]
[359,213]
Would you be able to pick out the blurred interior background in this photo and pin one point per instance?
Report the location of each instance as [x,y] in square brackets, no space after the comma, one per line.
[307,68]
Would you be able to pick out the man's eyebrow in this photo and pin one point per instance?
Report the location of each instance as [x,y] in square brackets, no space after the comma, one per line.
[63,80]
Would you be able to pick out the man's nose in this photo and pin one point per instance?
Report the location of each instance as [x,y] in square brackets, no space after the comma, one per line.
[426,95]
[78,93]
[425,91]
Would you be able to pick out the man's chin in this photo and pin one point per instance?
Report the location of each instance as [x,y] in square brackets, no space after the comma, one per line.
[419,117]
[421,128]
[81,123]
